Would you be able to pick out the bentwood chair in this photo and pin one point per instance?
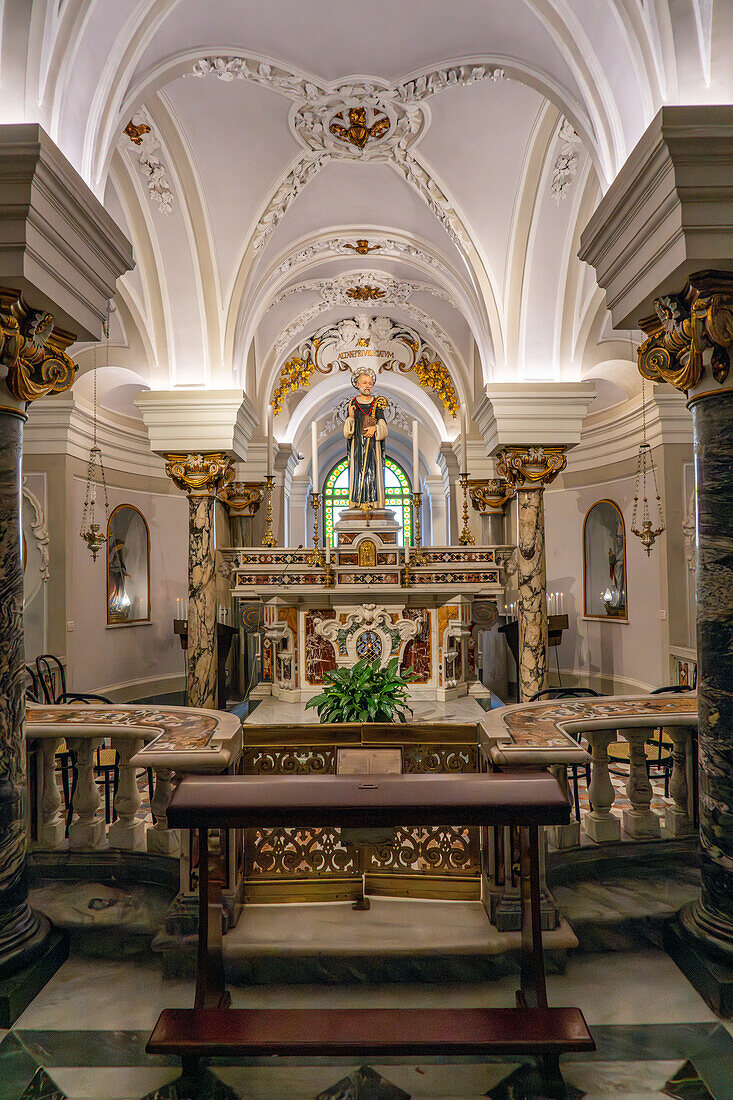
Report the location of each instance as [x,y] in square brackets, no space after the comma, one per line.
[50,673]
[573,769]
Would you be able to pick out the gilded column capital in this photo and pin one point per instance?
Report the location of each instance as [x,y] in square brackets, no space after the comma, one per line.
[689,337]
[530,467]
[201,474]
[242,498]
[32,351]
[490,495]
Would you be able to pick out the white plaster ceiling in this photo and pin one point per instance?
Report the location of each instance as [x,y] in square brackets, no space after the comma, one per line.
[464,209]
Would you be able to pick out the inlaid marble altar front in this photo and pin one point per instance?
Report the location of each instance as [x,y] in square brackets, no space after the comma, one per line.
[370,599]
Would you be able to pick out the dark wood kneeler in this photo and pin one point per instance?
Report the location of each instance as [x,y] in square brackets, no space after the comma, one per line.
[526,800]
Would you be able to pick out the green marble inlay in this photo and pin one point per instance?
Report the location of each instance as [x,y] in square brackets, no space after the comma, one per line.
[363,1084]
[17,1068]
[43,1088]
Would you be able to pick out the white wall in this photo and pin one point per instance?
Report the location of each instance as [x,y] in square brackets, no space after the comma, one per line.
[608,655]
[146,656]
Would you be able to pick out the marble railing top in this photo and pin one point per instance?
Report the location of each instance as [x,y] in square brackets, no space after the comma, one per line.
[542,732]
[180,738]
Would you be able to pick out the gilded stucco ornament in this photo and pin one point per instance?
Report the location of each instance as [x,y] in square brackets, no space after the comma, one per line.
[365,293]
[199,473]
[32,351]
[530,467]
[691,333]
[375,341]
[242,498]
[490,494]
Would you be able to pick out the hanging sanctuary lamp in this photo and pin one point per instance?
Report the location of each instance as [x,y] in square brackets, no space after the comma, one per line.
[644,470]
[94,536]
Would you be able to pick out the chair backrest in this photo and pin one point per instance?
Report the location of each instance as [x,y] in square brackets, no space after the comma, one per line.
[566,693]
[49,666]
[32,687]
[82,697]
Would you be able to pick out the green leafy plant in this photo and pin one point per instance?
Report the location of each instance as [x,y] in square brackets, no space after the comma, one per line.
[364,693]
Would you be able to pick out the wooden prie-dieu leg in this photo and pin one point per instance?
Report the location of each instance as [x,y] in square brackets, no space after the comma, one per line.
[532,992]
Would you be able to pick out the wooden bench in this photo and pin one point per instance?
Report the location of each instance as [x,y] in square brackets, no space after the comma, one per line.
[525,800]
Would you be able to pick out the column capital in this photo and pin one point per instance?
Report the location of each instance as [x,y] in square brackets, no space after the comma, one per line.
[32,350]
[530,467]
[242,498]
[689,337]
[490,496]
[202,474]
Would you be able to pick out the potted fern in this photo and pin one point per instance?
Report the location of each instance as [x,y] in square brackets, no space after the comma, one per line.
[366,692]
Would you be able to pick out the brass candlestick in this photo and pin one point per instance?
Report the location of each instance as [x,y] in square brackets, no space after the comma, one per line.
[406,575]
[269,538]
[329,582]
[465,538]
[417,554]
[316,558]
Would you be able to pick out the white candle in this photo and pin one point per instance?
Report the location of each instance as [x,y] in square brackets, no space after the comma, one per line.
[407,553]
[562,604]
[328,549]
[268,433]
[464,451]
[415,458]
[314,455]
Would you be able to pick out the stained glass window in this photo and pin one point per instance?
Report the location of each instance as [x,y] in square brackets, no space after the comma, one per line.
[396,490]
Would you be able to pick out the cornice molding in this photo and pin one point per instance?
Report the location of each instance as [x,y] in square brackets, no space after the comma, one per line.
[60,247]
[195,421]
[612,436]
[532,413]
[667,214]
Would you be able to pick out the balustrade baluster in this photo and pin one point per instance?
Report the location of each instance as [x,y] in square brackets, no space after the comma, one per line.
[563,836]
[127,832]
[88,829]
[52,826]
[599,823]
[640,820]
[160,839]
[677,820]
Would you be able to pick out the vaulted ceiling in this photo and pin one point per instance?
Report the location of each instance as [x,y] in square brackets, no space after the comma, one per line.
[466,144]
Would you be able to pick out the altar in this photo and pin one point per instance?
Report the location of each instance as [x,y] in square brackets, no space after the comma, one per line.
[368,597]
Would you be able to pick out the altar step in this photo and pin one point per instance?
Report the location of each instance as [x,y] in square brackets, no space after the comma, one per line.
[396,940]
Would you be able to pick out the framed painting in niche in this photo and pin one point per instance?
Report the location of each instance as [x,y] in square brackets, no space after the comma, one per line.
[128,567]
[604,562]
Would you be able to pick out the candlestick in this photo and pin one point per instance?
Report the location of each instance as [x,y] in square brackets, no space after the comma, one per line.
[465,538]
[268,432]
[314,455]
[269,538]
[316,559]
[418,556]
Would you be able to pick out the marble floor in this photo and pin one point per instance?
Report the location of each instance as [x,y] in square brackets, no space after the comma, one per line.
[84,1035]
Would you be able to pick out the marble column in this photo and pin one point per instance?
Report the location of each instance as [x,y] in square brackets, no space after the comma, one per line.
[690,345]
[712,418]
[528,470]
[33,362]
[201,476]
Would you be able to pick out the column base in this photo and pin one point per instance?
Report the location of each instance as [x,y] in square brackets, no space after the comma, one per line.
[641,826]
[127,838]
[23,975]
[700,960]
[163,842]
[564,836]
[677,823]
[86,835]
[603,829]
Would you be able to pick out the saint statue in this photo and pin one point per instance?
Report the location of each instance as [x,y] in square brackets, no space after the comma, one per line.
[365,430]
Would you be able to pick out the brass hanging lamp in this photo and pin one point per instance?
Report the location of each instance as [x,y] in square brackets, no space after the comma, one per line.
[94,536]
[645,467]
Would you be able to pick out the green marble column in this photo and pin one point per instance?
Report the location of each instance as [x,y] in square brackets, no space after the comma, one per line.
[202,477]
[33,363]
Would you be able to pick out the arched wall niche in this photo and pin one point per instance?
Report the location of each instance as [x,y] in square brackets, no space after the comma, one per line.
[604,563]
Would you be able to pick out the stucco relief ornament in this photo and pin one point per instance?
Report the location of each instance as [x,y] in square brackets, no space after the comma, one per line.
[140,133]
[566,162]
[530,467]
